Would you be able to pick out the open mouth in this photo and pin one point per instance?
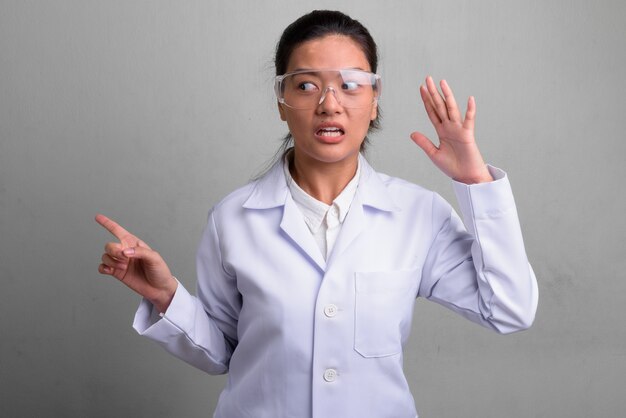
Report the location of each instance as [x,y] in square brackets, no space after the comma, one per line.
[330,132]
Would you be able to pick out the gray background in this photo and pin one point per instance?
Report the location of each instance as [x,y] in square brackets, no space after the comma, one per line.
[151,111]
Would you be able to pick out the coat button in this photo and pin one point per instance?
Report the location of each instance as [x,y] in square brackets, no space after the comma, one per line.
[330,375]
[330,310]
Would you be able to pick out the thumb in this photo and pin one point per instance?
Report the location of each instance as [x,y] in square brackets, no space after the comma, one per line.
[142,253]
[424,143]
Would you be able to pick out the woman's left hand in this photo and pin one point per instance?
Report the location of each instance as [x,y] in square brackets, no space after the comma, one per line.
[457,154]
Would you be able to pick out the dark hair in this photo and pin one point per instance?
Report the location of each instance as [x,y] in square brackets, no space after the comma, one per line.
[318,24]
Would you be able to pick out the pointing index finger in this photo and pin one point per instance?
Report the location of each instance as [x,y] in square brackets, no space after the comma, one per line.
[112,226]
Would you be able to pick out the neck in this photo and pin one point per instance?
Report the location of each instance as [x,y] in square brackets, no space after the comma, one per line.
[323,181]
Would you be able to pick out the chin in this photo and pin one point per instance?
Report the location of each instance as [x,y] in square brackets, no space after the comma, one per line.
[334,153]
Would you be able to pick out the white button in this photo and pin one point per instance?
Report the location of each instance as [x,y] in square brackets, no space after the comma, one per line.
[333,211]
[330,375]
[330,310]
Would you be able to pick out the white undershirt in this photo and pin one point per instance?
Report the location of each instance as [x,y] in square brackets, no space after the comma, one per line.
[324,221]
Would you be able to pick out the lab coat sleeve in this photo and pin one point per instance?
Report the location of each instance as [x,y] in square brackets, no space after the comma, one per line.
[480,269]
[198,330]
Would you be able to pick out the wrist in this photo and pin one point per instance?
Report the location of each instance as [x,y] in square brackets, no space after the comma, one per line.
[482,177]
[163,300]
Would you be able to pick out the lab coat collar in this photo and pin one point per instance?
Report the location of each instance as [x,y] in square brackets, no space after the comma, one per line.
[271,190]
[372,191]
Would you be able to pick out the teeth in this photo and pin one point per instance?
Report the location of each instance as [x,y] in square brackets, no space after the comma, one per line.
[324,132]
[330,131]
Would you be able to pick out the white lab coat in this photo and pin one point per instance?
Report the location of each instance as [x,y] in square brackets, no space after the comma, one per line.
[304,337]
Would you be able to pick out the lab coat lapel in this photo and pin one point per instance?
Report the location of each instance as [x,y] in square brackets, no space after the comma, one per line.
[271,191]
[352,226]
[294,226]
[372,193]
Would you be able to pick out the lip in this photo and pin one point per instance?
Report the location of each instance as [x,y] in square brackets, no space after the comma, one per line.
[329,139]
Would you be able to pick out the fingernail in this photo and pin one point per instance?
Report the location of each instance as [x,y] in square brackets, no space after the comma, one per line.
[129,251]
[107,269]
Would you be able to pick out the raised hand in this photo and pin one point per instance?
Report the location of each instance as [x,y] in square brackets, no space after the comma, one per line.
[457,154]
[135,264]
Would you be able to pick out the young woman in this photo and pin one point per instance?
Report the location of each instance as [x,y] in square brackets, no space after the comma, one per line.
[307,277]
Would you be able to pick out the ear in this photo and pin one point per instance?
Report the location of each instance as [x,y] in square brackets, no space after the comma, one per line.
[281,110]
[374,110]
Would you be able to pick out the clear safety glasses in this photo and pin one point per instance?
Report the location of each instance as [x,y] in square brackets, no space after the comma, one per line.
[307,89]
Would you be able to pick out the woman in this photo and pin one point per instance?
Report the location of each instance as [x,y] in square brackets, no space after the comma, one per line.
[307,276]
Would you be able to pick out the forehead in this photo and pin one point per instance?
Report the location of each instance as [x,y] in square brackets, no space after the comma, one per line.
[332,51]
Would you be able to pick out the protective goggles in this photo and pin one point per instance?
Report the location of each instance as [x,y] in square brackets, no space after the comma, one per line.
[307,89]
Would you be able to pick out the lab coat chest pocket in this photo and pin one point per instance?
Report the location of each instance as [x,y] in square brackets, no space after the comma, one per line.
[383,310]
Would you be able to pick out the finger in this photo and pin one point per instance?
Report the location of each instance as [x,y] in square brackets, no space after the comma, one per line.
[109,261]
[437,100]
[453,109]
[428,105]
[112,226]
[103,269]
[470,115]
[114,249]
[142,253]
[424,143]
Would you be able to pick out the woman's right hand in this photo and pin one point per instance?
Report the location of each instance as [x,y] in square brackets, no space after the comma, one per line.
[135,264]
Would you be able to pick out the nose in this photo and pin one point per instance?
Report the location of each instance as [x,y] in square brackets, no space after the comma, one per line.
[328,103]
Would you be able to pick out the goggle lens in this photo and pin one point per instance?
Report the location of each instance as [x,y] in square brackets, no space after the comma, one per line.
[308,89]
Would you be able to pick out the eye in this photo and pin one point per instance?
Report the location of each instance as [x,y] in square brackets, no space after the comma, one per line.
[350,85]
[307,86]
